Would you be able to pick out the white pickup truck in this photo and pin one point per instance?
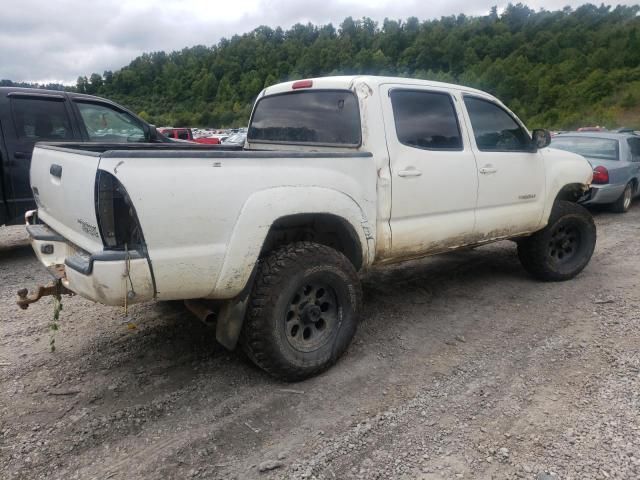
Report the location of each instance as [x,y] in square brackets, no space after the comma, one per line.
[337,174]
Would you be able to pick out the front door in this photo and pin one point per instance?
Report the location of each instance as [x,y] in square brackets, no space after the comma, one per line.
[434,173]
[511,190]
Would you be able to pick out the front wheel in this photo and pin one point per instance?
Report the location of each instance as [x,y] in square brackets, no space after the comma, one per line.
[563,248]
[624,202]
[303,310]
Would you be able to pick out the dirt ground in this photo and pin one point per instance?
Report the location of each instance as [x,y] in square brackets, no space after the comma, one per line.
[463,367]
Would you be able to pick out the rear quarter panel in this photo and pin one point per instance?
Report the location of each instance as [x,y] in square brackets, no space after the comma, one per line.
[205,219]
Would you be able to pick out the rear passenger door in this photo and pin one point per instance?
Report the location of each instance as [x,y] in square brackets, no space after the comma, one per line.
[511,176]
[29,118]
[434,174]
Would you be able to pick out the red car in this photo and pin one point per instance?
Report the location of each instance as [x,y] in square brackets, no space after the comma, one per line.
[186,134]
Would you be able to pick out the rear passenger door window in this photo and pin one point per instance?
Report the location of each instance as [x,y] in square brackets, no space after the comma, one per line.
[426,120]
[494,129]
[36,120]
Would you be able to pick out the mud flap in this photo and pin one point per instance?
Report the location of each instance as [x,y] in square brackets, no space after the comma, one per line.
[229,322]
[231,315]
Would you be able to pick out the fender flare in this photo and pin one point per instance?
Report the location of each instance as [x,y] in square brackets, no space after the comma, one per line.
[555,192]
[571,169]
[263,208]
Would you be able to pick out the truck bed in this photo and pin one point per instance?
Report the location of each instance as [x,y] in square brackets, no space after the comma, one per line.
[203,211]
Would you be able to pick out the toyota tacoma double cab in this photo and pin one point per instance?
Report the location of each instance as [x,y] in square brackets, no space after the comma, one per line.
[337,174]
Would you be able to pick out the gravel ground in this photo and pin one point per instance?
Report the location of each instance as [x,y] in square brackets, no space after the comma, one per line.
[463,367]
[13,237]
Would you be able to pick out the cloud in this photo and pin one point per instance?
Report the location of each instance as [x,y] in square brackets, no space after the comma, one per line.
[59,41]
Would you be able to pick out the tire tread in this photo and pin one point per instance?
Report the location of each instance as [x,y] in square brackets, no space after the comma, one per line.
[266,288]
[532,251]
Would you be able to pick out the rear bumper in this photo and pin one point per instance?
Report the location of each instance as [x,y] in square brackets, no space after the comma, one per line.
[603,194]
[105,277]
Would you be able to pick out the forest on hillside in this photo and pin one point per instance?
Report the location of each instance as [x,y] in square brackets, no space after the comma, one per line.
[557,69]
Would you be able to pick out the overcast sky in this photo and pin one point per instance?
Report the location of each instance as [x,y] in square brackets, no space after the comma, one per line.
[56,41]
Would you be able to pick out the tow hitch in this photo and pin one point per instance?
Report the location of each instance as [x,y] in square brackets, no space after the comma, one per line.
[55,288]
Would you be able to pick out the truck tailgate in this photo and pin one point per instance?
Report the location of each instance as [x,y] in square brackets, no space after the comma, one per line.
[63,184]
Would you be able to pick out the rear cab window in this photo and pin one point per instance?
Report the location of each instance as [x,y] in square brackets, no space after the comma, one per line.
[308,117]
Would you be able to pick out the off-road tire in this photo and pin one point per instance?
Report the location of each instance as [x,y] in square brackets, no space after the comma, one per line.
[624,202]
[562,249]
[293,285]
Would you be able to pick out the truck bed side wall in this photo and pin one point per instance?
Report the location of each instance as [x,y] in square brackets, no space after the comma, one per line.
[205,219]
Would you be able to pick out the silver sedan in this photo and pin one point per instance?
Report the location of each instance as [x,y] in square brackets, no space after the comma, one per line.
[615,158]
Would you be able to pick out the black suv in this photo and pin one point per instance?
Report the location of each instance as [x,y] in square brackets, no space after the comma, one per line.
[29,115]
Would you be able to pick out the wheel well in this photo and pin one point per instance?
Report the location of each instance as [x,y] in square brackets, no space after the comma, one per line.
[571,192]
[634,184]
[323,228]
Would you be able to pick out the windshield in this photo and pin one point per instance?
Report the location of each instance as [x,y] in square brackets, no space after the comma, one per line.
[593,147]
[311,117]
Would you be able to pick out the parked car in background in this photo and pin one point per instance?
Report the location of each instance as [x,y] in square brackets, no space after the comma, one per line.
[207,140]
[29,115]
[597,128]
[615,158]
[235,139]
[177,133]
[186,134]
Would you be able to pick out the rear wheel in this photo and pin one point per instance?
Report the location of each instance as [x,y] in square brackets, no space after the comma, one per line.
[303,310]
[563,248]
[624,202]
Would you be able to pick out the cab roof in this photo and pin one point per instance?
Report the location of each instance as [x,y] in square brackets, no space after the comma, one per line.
[349,82]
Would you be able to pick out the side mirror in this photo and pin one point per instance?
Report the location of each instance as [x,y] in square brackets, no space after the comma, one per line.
[540,138]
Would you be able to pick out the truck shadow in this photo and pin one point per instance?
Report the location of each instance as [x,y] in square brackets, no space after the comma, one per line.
[433,276]
[171,349]
[170,367]
[12,251]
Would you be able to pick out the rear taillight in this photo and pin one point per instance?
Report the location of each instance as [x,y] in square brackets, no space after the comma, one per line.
[117,218]
[600,175]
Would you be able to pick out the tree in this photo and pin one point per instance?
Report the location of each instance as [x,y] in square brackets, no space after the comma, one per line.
[556,68]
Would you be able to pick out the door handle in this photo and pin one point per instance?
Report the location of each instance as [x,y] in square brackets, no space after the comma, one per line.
[410,172]
[21,156]
[488,169]
[55,170]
